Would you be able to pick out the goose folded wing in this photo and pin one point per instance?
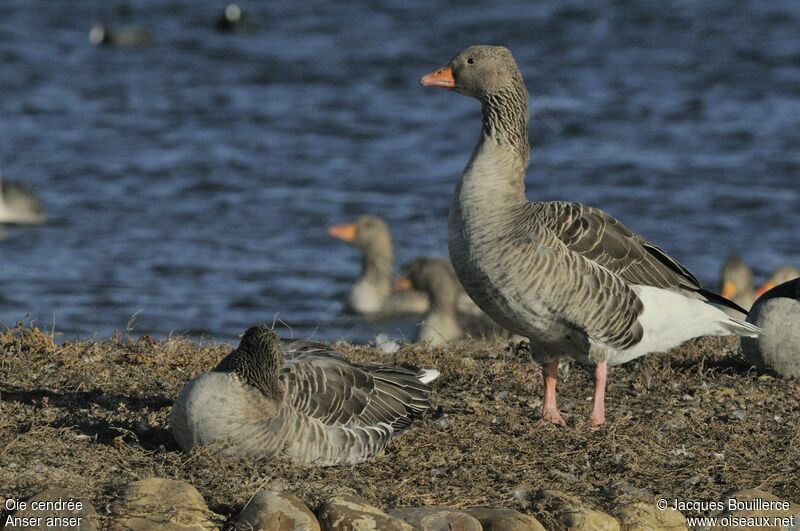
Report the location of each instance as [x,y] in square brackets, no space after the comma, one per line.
[600,238]
[334,391]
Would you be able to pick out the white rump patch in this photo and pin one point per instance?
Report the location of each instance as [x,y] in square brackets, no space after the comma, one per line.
[670,318]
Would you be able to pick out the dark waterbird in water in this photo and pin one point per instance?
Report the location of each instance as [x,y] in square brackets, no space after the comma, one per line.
[123,37]
[234,20]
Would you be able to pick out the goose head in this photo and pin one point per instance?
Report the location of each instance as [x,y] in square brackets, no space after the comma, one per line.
[434,276]
[737,278]
[368,233]
[257,361]
[479,71]
[779,276]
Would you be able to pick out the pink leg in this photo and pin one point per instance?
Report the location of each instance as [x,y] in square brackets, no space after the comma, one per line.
[599,406]
[550,411]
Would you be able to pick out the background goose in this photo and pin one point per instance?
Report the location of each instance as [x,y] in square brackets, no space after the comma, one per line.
[779,276]
[298,399]
[233,20]
[737,284]
[443,322]
[19,205]
[777,312]
[570,277]
[124,37]
[372,291]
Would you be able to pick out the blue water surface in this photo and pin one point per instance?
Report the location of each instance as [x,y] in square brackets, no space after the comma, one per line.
[189,184]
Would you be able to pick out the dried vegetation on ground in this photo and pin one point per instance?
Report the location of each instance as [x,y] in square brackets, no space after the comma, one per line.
[692,424]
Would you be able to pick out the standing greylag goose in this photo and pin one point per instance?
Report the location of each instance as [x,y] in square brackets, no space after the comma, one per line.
[777,313]
[19,205]
[299,399]
[371,293]
[779,276]
[443,322]
[570,277]
[737,284]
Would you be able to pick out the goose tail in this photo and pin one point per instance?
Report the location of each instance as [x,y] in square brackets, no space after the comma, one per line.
[741,328]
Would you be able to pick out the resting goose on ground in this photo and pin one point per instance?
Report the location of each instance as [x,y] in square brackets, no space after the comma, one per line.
[443,322]
[19,205]
[777,313]
[298,399]
[570,277]
[371,293]
[779,276]
[737,284]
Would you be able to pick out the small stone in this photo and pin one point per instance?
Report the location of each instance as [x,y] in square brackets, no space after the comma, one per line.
[437,472]
[78,519]
[645,517]
[504,520]
[571,513]
[442,423]
[740,414]
[270,510]
[437,519]
[347,512]
[161,503]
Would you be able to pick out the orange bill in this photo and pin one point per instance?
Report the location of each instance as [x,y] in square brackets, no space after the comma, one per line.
[440,78]
[401,284]
[764,288]
[728,290]
[345,232]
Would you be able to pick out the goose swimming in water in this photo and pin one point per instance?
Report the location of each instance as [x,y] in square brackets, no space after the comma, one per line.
[123,37]
[298,399]
[570,277]
[779,276]
[19,205]
[737,284]
[444,322]
[371,293]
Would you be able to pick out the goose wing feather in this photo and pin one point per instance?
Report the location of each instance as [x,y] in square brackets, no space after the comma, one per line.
[602,239]
[558,244]
[330,389]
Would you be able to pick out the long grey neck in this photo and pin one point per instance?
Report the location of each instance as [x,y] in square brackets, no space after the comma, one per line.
[443,293]
[505,118]
[497,167]
[376,266]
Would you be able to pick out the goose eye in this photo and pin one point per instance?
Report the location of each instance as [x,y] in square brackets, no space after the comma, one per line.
[471,60]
